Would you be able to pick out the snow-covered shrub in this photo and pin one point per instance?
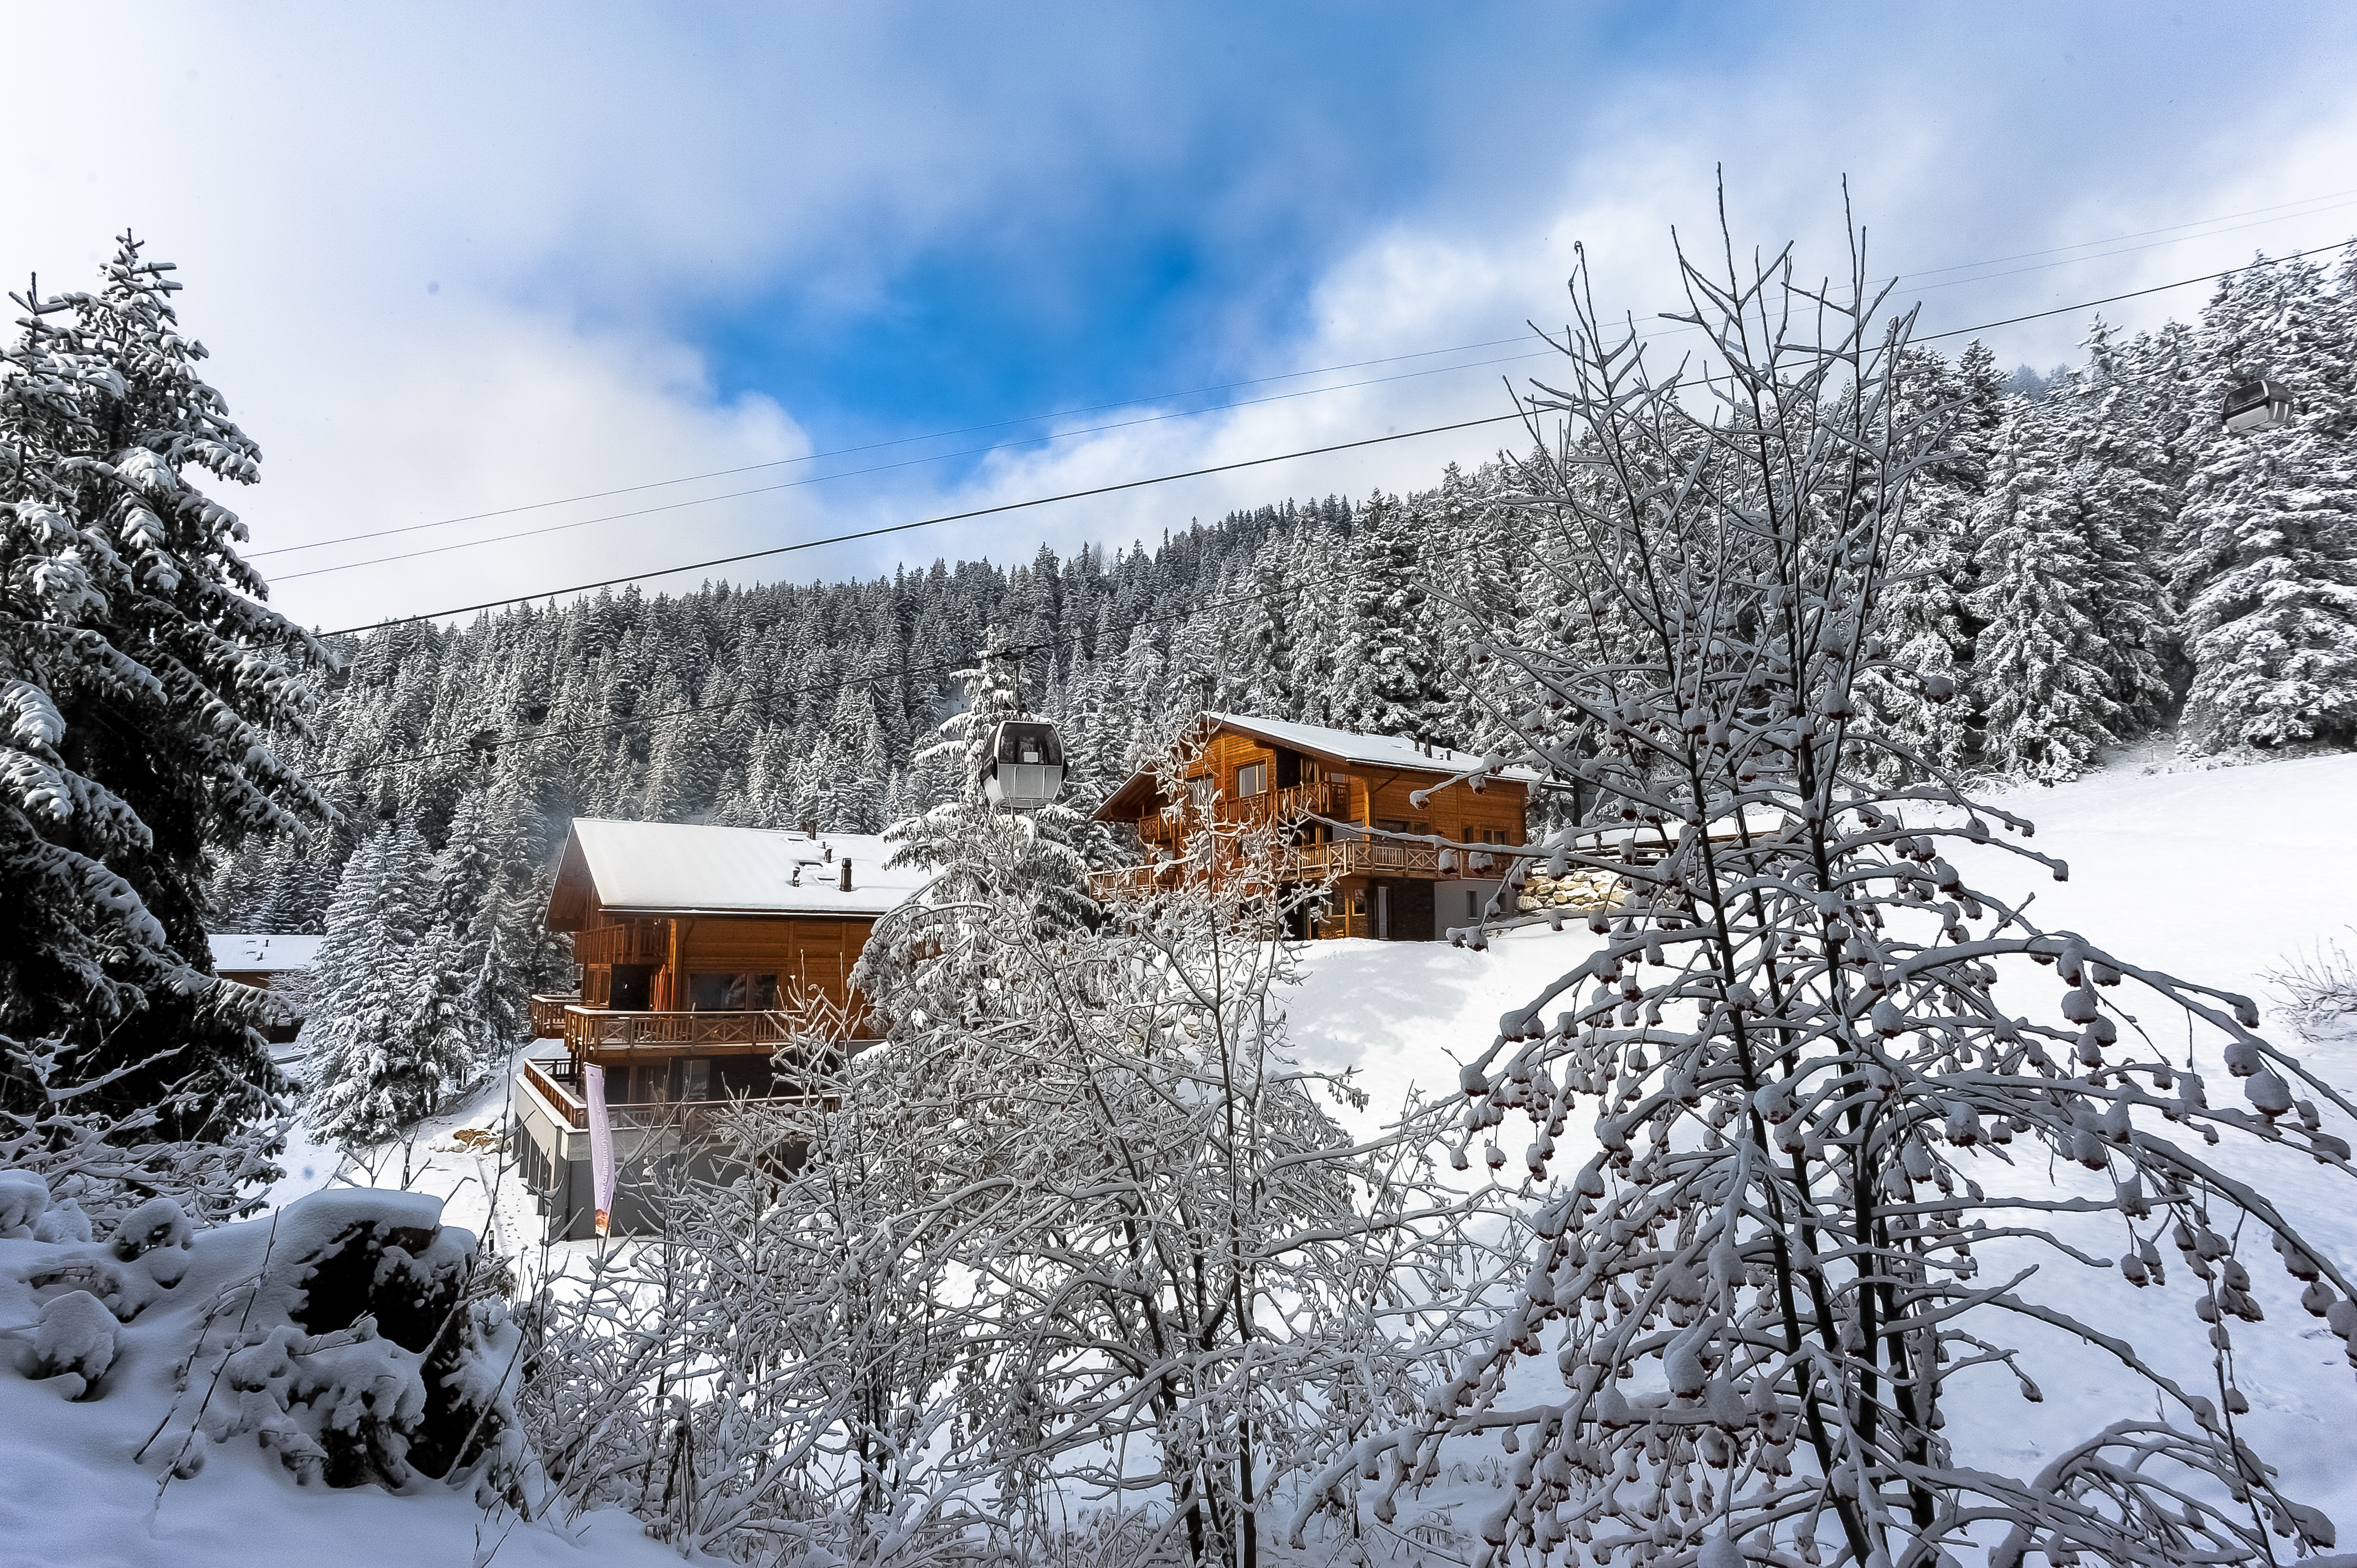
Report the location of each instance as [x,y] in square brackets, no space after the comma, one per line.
[75,1338]
[1818,1116]
[2319,990]
[92,1166]
[351,1334]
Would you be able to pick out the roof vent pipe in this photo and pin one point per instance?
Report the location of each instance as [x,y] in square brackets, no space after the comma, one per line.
[845,883]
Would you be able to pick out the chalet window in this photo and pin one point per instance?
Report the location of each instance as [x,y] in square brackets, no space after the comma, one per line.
[1252,778]
[1201,790]
[1491,835]
[731,992]
[1391,825]
[695,1079]
[1472,903]
[747,1077]
[627,986]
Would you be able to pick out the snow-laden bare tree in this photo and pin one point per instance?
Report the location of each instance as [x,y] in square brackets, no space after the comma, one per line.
[1081,1249]
[1838,1166]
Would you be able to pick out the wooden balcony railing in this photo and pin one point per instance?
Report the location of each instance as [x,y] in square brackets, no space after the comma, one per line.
[1319,799]
[548,1016]
[1315,863]
[640,942]
[558,1083]
[603,1029]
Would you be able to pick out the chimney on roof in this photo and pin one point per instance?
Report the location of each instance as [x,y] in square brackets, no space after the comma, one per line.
[845,883]
[809,828]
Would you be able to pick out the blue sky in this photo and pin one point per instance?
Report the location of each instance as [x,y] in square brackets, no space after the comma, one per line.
[458,260]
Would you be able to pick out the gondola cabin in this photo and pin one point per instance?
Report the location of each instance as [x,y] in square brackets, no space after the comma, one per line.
[2253,406]
[1025,769]
[1399,871]
[703,953]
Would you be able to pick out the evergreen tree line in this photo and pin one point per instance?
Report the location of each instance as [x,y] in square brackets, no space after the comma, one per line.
[2095,561]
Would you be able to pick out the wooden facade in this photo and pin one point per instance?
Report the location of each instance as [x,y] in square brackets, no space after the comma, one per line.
[1394,870]
[714,967]
[265,961]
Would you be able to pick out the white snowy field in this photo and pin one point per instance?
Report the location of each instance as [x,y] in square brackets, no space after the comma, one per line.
[2214,876]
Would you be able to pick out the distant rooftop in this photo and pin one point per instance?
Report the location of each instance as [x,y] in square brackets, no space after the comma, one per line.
[672,868]
[245,953]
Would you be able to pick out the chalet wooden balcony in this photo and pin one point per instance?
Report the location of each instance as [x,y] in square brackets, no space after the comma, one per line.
[640,942]
[548,1014]
[1325,862]
[557,1085]
[605,1030]
[1289,804]
[1319,799]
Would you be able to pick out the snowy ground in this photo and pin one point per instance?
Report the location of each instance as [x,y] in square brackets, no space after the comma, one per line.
[2214,876]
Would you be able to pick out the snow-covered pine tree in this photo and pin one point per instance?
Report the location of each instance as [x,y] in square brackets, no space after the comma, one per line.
[1802,1083]
[2038,666]
[1265,644]
[385,1048]
[1924,615]
[2119,471]
[1384,680]
[142,680]
[2267,571]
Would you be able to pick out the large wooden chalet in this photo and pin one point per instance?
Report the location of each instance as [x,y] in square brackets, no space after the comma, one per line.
[703,953]
[1398,871]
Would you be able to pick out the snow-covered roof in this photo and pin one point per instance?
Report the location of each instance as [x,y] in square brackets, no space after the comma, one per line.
[656,868]
[1365,750]
[242,953]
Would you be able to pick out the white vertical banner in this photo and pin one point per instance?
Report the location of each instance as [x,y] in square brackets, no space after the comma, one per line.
[601,1144]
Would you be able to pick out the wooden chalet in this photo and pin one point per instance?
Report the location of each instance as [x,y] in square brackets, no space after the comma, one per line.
[266,961]
[1343,800]
[703,953]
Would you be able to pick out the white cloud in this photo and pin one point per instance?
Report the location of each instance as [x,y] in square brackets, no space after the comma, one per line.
[589,188]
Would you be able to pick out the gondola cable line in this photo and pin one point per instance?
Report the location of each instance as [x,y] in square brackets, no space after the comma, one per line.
[882,467]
